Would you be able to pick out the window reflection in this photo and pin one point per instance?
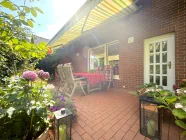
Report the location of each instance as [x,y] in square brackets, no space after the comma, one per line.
[104,55]
[158,47]
[151,48]
[113,57]
[164,46]
[158,80]
[96,58]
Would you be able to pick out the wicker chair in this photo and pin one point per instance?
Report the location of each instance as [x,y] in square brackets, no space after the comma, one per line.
[70,80]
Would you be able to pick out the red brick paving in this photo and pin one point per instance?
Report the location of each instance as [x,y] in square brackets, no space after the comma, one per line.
[111,115]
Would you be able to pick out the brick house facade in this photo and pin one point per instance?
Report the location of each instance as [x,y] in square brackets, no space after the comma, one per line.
[159,18]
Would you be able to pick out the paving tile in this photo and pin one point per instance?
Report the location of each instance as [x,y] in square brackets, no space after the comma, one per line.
[118,117]
[108,135]
[135,128]
[90,123]
[112,116]
[139,137]
[79,129]
[129,135]
[107,127]
[97,121]
[105,121]
[122,121]
[116,127]
[86,136]
[98,134]
[97,127]
[125,127]
[119,135]
[131,121]
[73,130]
[89,130]
[114,121]
[81,123]
[83,118]
[76,136]
[98,116]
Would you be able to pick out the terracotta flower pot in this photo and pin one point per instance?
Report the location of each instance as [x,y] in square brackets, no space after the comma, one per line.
[44,135]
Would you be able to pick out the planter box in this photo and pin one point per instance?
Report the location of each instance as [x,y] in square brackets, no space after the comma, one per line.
[44,135]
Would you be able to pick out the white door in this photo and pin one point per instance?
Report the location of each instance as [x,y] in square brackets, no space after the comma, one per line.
[159,61]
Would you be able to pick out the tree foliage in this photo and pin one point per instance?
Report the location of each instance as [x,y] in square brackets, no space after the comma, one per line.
[15,35]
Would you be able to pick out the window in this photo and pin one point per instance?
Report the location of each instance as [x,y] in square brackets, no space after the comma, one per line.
[107,54]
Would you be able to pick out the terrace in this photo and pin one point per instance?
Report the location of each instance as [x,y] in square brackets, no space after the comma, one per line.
[124,43]
[114,114]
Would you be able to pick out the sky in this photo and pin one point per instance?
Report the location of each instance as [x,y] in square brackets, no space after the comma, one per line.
[56,14]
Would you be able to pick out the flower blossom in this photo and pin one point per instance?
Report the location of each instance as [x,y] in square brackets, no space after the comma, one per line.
[43,75]
[179,105]
[29,75]
[175,87]
[178,91]
[49,86]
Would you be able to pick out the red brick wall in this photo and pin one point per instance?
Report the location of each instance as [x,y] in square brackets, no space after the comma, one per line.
[162,17]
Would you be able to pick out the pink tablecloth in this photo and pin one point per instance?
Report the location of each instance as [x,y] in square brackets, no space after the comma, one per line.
[93,78]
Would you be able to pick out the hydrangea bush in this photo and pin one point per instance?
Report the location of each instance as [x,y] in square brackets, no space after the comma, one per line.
[24,106]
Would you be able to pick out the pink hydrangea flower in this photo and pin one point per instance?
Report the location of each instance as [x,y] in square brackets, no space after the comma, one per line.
[29,75]
[43,75]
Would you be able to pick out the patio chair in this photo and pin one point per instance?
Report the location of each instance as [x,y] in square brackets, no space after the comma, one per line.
[108,72]
[70,80]
[62,78]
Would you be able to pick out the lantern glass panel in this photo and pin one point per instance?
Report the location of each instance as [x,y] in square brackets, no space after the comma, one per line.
[149,120]
[63,125]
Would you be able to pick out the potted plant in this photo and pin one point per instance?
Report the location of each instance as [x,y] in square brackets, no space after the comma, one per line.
[24,106]
[61,102]
[149,90]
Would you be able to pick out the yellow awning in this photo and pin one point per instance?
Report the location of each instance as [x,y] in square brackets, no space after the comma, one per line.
[91,14]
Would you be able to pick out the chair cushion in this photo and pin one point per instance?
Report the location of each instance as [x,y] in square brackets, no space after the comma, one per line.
[83,82]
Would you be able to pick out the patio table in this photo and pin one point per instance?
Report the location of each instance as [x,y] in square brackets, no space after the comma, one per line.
[92,79]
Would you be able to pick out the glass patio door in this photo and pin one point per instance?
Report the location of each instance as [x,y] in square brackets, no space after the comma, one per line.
[159,61]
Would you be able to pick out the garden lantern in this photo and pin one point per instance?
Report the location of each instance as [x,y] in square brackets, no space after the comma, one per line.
[150,118]
[63,124]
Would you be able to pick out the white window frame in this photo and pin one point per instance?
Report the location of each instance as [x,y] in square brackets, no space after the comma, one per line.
[105,54]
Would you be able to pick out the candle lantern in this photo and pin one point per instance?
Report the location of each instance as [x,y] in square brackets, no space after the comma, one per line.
[150,121]
[63,124]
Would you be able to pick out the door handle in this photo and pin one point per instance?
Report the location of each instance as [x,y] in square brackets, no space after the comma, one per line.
[169,65]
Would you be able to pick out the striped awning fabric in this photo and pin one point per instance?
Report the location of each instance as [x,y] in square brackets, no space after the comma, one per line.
[91,14]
